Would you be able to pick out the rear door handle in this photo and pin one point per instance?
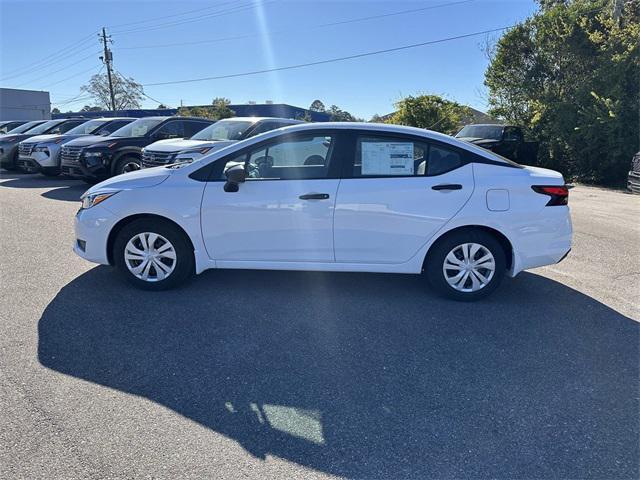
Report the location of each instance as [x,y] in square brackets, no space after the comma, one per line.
[314,196]
[447,186]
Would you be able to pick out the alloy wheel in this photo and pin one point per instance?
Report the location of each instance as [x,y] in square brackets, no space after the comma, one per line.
[469,267]
[130,167]
[150,257]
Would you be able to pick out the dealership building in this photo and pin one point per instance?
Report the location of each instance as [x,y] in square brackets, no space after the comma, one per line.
[18,104]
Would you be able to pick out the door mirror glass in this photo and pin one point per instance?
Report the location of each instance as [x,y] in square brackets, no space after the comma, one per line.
[235,175]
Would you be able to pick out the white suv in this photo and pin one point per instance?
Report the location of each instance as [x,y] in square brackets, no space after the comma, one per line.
[334,197]
[214,137]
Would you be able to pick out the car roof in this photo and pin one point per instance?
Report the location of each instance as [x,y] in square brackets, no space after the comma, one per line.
[261,119]
[489,125]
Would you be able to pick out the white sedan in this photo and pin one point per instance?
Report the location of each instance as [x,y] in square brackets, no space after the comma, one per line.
[346,197]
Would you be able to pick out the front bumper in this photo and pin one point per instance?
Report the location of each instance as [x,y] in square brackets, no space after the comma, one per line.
[92,227]
[633,182]
[97,169]
[28,164]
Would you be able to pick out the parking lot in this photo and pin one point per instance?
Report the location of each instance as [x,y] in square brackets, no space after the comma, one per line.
[290,374]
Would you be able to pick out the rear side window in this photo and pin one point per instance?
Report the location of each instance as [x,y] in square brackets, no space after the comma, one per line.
[402,157]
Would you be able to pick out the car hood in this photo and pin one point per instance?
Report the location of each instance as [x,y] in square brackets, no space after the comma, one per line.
[147,177]
[43,138]
[477,140]
[16,138]
[86,140]
[171,145]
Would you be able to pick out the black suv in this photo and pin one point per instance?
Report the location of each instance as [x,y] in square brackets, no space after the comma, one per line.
[96,158]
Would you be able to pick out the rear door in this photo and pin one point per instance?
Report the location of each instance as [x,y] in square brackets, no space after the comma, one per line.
[396,192]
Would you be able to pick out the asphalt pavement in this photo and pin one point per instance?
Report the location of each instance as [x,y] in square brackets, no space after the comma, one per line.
[257,374]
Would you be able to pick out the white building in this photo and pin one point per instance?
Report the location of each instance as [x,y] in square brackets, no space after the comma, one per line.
[24,104]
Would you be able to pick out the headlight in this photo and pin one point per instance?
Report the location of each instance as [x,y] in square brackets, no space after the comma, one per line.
[93,154]
[42,149]
[93,199]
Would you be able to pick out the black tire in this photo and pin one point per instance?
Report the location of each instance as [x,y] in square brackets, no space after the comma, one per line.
[436,258]
[184,267]
[124,165]
[50,171]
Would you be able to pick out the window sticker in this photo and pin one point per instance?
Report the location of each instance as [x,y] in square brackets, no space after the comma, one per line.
[138,131]
[387,158]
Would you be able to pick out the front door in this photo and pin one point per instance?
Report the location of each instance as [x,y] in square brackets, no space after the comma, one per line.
[283,212]
[395,195]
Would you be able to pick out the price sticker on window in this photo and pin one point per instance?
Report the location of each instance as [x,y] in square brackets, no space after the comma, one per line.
[387,158]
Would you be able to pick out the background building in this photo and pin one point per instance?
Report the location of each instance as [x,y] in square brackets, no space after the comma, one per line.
[24,104]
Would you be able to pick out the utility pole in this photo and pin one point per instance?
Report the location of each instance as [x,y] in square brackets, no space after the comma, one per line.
[107,59]
[617,10]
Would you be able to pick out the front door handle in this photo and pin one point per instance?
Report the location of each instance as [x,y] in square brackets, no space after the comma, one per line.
[447,186]
[314,196]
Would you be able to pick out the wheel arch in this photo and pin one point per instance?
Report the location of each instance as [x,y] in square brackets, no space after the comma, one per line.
[505,243]
[128,152]
[117,228]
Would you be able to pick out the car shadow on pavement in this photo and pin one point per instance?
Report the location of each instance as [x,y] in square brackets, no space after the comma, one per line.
[60,188]
[366,375]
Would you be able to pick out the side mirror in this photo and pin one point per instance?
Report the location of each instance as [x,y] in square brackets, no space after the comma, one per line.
[235,175]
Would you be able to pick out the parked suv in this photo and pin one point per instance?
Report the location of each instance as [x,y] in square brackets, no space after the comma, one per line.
[42,152]
[8,125]
[95,158]
[505,140]
[633,180]
[214,137]
[9,142]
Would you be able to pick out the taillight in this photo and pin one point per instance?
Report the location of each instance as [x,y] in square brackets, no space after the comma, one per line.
[559,193]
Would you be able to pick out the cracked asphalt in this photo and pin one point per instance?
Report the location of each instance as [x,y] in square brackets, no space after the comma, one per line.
[315,375]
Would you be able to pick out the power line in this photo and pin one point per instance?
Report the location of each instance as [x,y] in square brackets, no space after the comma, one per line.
[54,57]
[304,28]
[238,8]
[349,57]
[60,70]
[73,76]
[169,16]
[142,90]
[331,60]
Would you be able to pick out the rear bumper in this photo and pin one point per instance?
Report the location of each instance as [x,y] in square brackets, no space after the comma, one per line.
[545,241]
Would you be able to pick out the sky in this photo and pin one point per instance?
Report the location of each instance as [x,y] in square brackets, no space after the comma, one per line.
[53,45]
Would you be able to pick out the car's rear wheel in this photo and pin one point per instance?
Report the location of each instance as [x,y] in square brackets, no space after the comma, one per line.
[466,265]
[153,254]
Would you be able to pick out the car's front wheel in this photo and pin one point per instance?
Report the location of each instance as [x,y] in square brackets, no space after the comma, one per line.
[466,265]
[128,164]
[153,254]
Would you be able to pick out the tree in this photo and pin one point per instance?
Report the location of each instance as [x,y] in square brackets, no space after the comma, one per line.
[161,106]
[218,110]
[429,111]
[339,115]
[317,106]
[569,74]
[127,92]
[55,110]
[88,108]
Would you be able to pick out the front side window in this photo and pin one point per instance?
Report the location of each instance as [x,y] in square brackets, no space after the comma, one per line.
[193,127]
[138,128]
[399,157]
[45,127]
[301,157]
[224,130]
[26,127]
[173,129]
[87,127]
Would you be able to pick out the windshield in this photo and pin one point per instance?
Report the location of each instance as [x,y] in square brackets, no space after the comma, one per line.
[23,128]
[493,132]
[138,128]
[86,127]
[45,126]
[223,130]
